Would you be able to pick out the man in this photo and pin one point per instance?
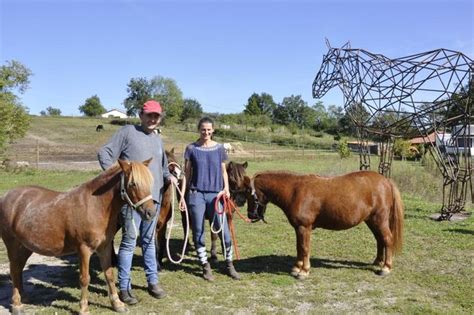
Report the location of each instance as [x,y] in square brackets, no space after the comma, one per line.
[139,143]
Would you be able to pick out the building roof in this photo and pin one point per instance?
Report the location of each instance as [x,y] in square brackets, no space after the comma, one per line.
[419,140]
[117,110]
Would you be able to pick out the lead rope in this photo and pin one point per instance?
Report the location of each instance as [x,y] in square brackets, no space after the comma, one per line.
[228,209]
[186,232]
[220,210]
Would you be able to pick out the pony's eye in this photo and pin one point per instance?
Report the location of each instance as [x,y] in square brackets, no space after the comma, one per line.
[132,184]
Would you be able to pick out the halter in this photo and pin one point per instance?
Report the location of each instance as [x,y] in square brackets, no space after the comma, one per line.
[256,201]
[178,174]
[125,197]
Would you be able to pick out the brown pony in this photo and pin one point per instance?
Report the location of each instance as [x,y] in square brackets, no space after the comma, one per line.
[235,173]
[82,220]
[333,203]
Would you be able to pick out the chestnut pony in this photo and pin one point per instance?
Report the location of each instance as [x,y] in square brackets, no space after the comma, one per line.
[333,203]
[235,173]
[82,220]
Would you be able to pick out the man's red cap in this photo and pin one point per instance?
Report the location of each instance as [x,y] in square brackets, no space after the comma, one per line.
[151,107]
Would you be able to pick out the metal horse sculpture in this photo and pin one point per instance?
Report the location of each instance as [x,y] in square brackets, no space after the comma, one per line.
[424,94]
[82,220]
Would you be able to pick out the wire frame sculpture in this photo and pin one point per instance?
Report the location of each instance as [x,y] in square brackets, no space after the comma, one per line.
[428,94]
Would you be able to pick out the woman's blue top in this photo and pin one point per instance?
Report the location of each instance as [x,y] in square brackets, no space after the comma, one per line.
[206,167]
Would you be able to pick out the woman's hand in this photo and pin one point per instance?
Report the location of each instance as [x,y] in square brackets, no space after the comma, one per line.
[226,192]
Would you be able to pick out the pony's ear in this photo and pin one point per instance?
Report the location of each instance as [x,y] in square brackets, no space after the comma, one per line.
[327,43]
[230,165]
[172,150]
[147,162]
[124,165]
[245,164]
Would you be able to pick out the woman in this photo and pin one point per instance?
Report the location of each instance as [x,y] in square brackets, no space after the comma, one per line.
[205,171]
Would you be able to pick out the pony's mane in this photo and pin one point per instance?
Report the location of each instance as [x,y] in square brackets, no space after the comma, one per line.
[238,171]
[141,175]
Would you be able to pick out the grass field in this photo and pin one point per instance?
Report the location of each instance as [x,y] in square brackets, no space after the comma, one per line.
[434,274]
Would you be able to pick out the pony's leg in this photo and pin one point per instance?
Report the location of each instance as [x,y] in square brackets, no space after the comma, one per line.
[84,277]
[380,243]
[17,255]
[303,242]
[214,258]
[160,242]
[106,264]
[382,229]
[388,241]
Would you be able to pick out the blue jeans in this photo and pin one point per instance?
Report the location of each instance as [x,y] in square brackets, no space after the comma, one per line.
[133,226]
[201,206]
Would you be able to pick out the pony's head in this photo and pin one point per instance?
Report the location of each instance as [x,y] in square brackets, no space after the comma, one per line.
[256,201]
[236,174]
[173,166]
[136,185]
[330,74]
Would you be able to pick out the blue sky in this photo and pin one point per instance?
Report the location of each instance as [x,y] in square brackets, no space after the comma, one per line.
[218,52]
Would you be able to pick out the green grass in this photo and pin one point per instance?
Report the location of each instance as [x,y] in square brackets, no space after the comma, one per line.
[434,273]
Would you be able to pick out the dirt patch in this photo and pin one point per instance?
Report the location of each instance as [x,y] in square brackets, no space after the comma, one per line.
[39,271]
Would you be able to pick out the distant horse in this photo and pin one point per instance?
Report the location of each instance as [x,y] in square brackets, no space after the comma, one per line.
[236,174]
[333,203]
[82,220]
[99,128]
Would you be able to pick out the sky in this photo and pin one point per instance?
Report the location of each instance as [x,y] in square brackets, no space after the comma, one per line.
[218,52]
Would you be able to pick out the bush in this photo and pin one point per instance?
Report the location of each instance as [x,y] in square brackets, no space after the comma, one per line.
[343,149]
[123,122]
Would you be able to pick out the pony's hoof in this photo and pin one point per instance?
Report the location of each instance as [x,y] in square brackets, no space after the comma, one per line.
[383,272]
[17,310]
[378,263]
[121,309]
[302,276]
[295,273]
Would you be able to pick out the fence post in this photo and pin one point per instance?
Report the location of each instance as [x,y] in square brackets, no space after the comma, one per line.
[37,154]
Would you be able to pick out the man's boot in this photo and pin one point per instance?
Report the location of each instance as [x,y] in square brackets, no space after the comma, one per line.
[207,272]
[156,291]
[127,297]
[231,271]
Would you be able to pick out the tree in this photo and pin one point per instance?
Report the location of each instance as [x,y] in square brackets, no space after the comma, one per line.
[262,104]
[164,90]
[92,107]
[167,92]
[15,120]
[294,109]
[53,111]
[14,75]
[139,91]
[191,109]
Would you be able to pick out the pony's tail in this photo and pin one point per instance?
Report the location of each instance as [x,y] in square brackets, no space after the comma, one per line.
[396,219]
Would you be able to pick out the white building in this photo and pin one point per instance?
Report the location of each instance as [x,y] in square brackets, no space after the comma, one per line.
[114,113]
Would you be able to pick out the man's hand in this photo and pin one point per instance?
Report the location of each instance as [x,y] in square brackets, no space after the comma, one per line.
[173,180]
